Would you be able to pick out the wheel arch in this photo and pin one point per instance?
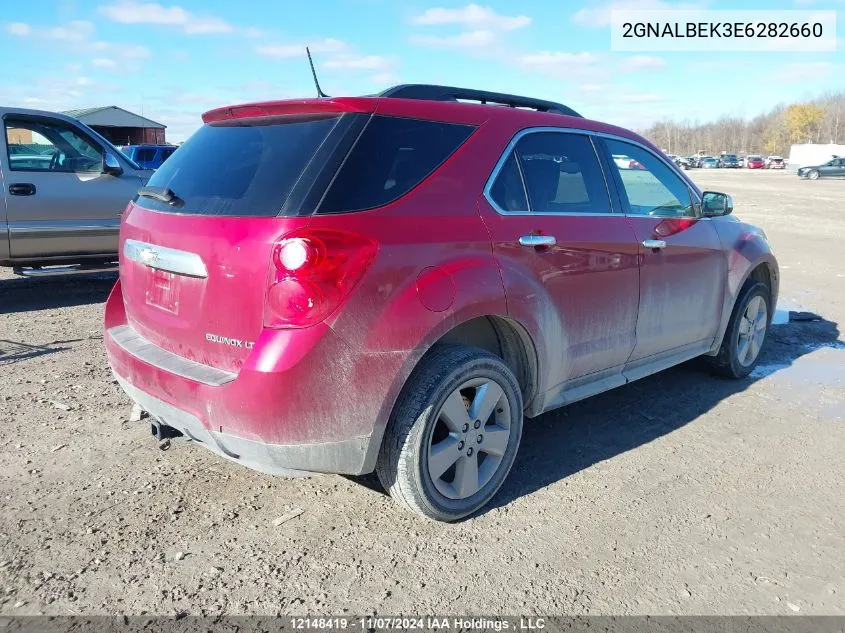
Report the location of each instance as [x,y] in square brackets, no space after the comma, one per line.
[498,334]
[764,270]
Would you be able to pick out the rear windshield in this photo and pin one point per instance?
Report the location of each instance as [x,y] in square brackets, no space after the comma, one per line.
[245,167]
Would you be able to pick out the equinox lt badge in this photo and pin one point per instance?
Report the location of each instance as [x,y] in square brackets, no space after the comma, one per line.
[231,342]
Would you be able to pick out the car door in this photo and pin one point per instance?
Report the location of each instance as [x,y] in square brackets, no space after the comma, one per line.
[564,251]
[683,266]
[59,201]
[838,170]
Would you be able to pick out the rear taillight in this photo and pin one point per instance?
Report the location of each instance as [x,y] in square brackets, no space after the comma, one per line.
[312,272]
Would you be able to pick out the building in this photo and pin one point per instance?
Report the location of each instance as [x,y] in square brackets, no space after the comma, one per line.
[120,126]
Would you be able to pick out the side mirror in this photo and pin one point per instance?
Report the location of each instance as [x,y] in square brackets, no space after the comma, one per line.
[715,204]
[111,165]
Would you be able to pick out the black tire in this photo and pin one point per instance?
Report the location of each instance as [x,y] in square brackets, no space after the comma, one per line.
[403,460]
[727,362]
[813,175]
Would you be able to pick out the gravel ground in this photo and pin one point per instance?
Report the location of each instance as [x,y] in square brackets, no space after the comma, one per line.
[678,494]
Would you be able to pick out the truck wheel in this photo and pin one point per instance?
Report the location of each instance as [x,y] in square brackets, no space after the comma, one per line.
[453,435]
[746,333]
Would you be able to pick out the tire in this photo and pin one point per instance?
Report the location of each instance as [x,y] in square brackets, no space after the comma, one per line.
[813,175]
[732,361]
[430,413]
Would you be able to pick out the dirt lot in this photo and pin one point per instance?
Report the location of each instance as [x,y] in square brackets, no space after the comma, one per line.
[679,494]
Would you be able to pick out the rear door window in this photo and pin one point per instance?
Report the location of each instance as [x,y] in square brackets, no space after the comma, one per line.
[392,156]
[243,167]
[560,172]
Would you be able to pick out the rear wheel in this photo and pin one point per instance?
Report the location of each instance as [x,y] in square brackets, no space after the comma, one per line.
[813,175]
[746,333]
[454,434]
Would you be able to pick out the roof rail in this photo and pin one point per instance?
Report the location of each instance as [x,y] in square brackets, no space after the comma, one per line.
[430,92]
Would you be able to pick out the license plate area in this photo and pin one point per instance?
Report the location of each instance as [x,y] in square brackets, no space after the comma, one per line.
[162,290]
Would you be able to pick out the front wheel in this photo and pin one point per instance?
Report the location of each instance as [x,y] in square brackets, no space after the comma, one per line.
[813,175]
[746,333]
[454,434]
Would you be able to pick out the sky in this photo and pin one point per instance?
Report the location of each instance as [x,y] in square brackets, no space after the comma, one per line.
[172,62]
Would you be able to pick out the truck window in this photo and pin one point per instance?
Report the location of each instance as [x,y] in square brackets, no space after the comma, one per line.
[44,145]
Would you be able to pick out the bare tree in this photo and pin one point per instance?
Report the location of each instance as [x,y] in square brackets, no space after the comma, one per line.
[769,133]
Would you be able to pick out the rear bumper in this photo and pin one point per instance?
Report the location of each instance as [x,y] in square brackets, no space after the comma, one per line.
[291,460]
[302,403]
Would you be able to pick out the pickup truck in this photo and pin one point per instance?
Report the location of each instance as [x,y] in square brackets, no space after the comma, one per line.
[64,188]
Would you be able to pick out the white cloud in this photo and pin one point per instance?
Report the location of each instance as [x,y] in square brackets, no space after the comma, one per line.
[18,28]
[642,62]
[470,39]
[60,92]
[805,72]
[75,31]
[599,15]
[593,88]
[474,16]
[288,51]
[375,63]
[385,79]
[133,12]
[639,97]
[549,59]
[133,51]
[565,65]
[104,63]
[80,33]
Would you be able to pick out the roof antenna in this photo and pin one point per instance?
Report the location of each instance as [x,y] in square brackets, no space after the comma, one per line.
[320,92]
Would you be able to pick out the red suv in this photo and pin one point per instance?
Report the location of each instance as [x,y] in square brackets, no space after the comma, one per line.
[394,282]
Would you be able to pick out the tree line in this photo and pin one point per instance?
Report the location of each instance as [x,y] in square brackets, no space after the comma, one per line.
[820,120]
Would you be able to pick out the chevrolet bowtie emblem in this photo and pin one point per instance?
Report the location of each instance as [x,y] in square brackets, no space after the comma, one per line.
[148,256]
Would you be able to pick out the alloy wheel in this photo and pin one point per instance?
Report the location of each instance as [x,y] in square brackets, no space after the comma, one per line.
[469,439]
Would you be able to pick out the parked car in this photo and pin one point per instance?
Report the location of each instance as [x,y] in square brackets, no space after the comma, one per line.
[626,162]
[775,162]
[683,162]
[708,162]
[834,168]
[729,161]
[755,162]
[64,192]
[398,275]
[149,156]
[694,161]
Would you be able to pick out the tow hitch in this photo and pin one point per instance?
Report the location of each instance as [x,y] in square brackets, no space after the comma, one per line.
[163,432]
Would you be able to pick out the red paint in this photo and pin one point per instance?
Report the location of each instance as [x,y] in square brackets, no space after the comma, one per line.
[396,278]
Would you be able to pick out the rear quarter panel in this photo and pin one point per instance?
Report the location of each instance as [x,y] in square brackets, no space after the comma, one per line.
[434,270]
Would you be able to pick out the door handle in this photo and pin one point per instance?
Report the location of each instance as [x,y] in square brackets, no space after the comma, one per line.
[537,240]
[654,244]
[22,189]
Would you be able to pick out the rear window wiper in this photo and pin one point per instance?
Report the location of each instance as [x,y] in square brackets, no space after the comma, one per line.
[163,194]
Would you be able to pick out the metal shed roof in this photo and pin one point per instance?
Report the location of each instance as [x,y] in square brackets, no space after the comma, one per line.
[112,116]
